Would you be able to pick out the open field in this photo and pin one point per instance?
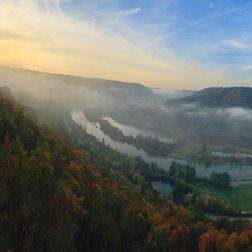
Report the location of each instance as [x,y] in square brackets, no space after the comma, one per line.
[239,197]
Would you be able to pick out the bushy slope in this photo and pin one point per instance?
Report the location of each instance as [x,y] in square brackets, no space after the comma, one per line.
[54,197]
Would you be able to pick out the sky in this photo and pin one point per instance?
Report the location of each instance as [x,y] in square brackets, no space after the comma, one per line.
[172,44]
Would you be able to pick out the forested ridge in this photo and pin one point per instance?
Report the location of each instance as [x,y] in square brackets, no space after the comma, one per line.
[57,196]
[220,96]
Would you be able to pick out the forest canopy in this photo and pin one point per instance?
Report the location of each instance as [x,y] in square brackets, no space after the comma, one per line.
[58,196]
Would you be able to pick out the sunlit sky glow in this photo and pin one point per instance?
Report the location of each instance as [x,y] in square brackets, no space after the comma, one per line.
[175,44]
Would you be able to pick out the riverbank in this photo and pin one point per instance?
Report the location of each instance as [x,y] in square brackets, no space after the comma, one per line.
[155,147]
[236,172]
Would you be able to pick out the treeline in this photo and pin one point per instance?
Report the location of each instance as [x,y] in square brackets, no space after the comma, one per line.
[183,178]
[221,179]
[56,196]
[151,145]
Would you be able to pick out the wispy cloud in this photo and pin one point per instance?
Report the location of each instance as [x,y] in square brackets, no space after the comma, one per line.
[127,12]
[109,42]
[237,44]
[7,35]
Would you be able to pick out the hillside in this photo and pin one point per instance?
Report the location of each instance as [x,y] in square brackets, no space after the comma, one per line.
[219,97]
[56,196]
[110,87]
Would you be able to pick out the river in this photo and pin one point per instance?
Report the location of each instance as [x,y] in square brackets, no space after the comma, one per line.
[133,131]
[241,174]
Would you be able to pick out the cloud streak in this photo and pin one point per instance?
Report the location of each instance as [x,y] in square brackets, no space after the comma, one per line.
[237,44]
[78,43]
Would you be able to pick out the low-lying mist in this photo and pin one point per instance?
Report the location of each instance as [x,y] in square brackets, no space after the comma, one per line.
[139,107]
[38,89]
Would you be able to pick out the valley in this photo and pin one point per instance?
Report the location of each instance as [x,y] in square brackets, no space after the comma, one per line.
[239,173]
[127,136]
[125,126]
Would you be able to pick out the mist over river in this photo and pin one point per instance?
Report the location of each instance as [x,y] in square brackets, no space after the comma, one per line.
[238,173]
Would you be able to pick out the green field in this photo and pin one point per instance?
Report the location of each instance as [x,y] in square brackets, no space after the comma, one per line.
[186,150]
[239,197]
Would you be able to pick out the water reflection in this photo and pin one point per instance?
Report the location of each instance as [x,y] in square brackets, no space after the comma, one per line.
[240,173]
[162,187]
[133,131]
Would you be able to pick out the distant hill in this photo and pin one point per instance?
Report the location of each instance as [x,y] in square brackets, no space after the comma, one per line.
[172,94]
[110,87]
[221,97]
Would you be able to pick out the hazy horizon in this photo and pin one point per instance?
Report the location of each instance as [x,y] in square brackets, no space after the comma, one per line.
[152,87]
